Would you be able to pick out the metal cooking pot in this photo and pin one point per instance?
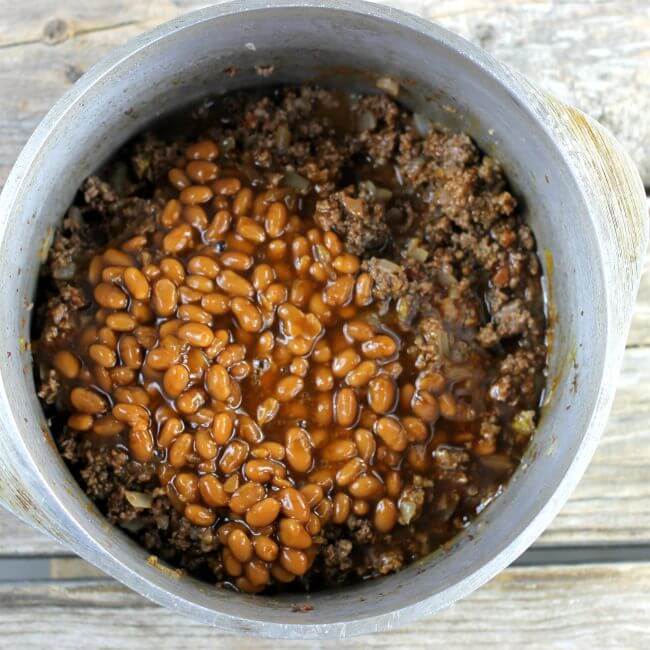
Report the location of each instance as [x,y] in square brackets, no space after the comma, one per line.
[585,203]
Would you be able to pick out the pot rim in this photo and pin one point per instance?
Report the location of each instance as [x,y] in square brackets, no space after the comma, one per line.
[538,520]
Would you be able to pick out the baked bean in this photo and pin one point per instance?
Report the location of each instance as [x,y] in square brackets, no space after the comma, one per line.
[346,407]
[276,219]
[195,194]
[447,404]
[360,507]
[339,450]
[240,545]
[418,458]
[201,171]
[121,321]
[250,431]
[265,548]
[342,507]
[196,334]
[359,330]
[67,364]
[202,150]
[187,486]
[132,414]
[416,429]
[267,410]
[226,186]
[87,401]
[339,293]
[234,284]
[346,263]
[110,296]
[178,178]
[425,406]
[323,414]
[323,378]
[288,388]
[173,270]
[379,347]
[222,428]
[136,283]
[406,393]
[80,421]
[161,358]
[121,376]
[165,297]
[292,534]
[344,362]
[141,443]
[204,266]
[247,314]
[366,445]
[263,513]
[299,449]
[366,486]
[382,394]
[246,497]
[363,290]
[361,375]
[333,243]
[322,352]
[180,449]
[432,382]
[215,303]
[199,515]
[219,225]
[243,202]
[107,426]
[277,250]
[212,492]
[257,573]
[391,431]
[112,273]
[205,445]
[178,239]
[169,431]
[190,401]
[218,382]
[102,378]
[293,504]
[102,355]
[350,471]
[233,456]
[231,483]
[231,564]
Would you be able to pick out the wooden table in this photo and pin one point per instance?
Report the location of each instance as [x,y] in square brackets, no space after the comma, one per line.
[586,582]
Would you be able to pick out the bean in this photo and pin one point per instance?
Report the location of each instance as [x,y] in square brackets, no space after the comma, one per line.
[288,388]
[382,394]
[416,429]
[226,186]
[122,376]
[263,513]
[267,410]
[265,548]
[102,378]
[366,486]
[233,456]
[190,401]
[366,445]
[249,430]
[137,283]
[342,507]
[187,486]
[180,450]
[363,290]
[292,534]
[202,150]
[247,314]
[141,443]
[196,334]
[205,445]
[201,171]
[379,347]
[212,492]
[425,406]
[178,178]
[299,449]
[344,362]
[196,194]
[165,297]
[204,266]
[339,293]
[246,497]
[312,493]
[199,515]
[222,428]
[219,225]
[360,507]
[350,471]
[293,504]
[102,355]
[339,450]
[215,303]
[169,431]
[80,421]
[231,564]
[234,284]
[173,270]
[218,382]
[107,426]
[132,414]
[256,573]
[87,401]
[333,243]
[323,378]
[179,238]
[109,296]
[323,413]
[359,330]
[240,545]
[346,263]
[346,407]
[67,364]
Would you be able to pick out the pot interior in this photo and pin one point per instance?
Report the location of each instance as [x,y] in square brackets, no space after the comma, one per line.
[350,46]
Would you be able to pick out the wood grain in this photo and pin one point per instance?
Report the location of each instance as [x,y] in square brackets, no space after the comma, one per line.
[593,54]
[591,606]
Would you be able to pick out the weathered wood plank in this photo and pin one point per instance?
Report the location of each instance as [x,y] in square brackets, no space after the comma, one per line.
[610,506]
[593,54]
[603,606]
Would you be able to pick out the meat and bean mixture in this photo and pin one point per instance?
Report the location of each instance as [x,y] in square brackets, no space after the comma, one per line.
[294,340]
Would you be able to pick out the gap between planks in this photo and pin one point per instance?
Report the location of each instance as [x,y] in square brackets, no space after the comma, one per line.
[599,605]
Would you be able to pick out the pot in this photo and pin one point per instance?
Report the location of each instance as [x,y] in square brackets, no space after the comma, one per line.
[584,202]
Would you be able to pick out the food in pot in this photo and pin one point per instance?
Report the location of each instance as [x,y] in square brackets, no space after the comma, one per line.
[294,341]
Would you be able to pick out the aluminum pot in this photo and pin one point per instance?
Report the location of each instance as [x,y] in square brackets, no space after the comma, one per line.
[584,200]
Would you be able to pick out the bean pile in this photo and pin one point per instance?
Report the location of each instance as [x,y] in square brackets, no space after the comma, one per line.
[237,347]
